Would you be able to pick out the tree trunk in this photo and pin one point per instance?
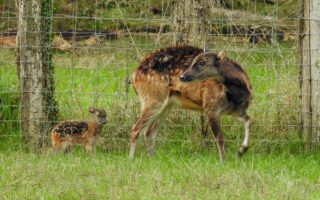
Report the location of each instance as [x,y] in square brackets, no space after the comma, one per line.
[35,71]
[191,26]
[310,72]
[201,27]
[179,21]
[190,21]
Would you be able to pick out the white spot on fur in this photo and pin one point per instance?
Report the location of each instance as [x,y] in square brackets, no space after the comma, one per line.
[165,59]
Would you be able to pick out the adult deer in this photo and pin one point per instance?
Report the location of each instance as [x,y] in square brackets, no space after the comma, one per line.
[190,78]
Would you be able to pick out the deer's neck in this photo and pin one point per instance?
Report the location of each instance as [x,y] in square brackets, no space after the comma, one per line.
[238,91]
[95,127]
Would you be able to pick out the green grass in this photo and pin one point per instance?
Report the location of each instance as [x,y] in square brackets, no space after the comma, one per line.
[274,168]
[281,8]
[134,12]
[168,175]
[9,95]
[95,76]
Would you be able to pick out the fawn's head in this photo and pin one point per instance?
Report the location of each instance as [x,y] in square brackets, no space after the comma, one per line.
[98,115]
[204,66]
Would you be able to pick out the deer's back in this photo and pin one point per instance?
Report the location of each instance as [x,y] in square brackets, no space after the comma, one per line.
[167,61]
[75,130]
[157,77]
[72,128]
[158,74]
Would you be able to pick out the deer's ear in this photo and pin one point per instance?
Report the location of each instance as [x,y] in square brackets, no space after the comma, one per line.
[221,55]
[91,110]
[206,49]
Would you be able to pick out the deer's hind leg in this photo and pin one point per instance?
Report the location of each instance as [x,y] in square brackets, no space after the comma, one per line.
[152,129]
[61,144]
[245,119]
[148,121]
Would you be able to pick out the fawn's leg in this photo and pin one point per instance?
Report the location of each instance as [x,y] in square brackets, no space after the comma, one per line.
[88,147]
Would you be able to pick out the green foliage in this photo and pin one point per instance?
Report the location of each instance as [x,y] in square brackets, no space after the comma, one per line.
[9,107]
[51,108]
[10,96]
[103,15]
[283,8]
[7,16]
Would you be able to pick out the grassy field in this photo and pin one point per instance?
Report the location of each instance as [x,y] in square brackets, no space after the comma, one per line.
[274,168]
[171,174]
[96,76]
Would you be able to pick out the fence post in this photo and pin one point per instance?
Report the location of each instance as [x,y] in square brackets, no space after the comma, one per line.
[35,71]
[310,71]
[191,26]
[190,20]
[179,21]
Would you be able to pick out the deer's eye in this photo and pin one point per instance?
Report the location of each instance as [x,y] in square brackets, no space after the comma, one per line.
[201,63]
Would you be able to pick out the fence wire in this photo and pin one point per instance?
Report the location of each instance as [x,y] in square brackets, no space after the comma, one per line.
[98,44]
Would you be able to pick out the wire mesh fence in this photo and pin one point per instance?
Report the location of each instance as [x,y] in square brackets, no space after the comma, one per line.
[98,44]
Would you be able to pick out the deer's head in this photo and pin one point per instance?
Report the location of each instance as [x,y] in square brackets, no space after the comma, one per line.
[98,115]
[204,66]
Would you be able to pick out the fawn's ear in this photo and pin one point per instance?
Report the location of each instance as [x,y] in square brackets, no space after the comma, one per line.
[221,55]
[91,110]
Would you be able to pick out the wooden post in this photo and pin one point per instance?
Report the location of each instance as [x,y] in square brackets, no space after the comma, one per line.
[35,71]
[315,70]
[310,71]
[179,21]
[201,12]
[190,20]
[191,26]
